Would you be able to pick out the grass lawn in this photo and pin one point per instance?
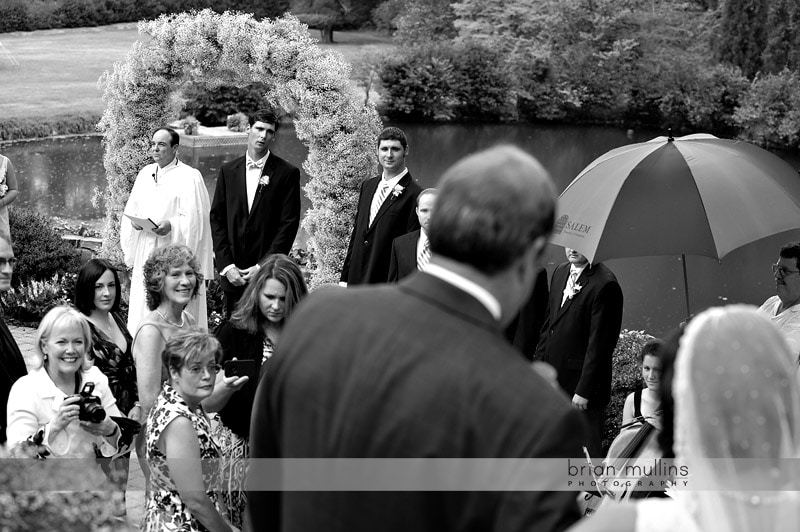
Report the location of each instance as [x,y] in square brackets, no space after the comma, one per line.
[59,69]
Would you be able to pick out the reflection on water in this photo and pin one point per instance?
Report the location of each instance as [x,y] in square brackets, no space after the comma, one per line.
[58,177]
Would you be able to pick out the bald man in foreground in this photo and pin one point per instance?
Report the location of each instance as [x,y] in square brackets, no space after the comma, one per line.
[421,370]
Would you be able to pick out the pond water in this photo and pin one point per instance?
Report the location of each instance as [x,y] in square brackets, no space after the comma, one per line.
[59,176]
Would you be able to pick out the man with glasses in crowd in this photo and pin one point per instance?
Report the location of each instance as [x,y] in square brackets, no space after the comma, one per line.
[784,309]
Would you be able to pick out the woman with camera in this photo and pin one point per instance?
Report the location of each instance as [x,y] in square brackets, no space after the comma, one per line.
[183,457]
[64,405]
[248,340]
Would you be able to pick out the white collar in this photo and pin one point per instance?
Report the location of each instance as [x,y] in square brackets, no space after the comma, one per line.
[472,288]
[393,181]
[161,171]
[260,162]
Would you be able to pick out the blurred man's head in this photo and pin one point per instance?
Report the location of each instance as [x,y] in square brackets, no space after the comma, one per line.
[494,214]
[425,202]
[7,262]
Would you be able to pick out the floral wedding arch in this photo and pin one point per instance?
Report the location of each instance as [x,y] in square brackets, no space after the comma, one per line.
[233,48]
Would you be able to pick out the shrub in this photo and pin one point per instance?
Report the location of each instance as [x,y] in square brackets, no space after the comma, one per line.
[37,127]
[212,106]
[420,84]
[190,125]
[28,303]
[41,252]
[26,15]
[384,16]
[237,122]
[484,88]
[626,378]
[769,112]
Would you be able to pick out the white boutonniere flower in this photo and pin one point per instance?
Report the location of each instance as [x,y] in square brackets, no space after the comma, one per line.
[263,181]
[397,190]
[571,292]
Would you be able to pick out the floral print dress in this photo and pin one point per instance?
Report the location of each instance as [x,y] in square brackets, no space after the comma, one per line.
[164,508]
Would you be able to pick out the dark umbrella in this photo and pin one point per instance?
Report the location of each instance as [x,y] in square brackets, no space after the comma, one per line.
[692,195]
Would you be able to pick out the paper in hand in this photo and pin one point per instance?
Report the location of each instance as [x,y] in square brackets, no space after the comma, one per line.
[146,223]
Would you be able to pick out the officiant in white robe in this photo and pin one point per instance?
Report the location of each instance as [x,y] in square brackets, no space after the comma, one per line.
[173,195]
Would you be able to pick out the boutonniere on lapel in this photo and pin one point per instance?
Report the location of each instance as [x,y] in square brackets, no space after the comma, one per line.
[396,191]
[572,291]
[263,181]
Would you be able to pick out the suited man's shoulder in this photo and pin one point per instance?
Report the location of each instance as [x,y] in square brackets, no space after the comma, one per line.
[233,163]
[407,238]
[281,163]
[602,273]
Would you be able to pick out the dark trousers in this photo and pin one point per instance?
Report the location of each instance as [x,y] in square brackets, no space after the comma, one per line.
[596,418]
[232,297]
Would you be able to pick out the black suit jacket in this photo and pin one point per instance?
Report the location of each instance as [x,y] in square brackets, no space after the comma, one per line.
[369,250]
[579,338]
[12,367]
[403,260]
[524,330]
[243,238]
[417,369]
[242,345]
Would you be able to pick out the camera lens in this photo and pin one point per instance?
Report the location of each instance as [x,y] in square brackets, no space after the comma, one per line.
[92,412]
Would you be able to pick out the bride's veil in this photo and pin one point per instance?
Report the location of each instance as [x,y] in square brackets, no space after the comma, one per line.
[737,422]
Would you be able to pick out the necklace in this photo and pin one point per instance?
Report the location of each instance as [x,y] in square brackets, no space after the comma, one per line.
[164,317]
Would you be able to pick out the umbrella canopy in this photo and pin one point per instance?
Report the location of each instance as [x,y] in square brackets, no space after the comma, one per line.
[692,195]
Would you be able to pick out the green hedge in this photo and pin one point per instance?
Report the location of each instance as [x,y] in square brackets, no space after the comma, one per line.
[626,378]
[48,126]
[27,15]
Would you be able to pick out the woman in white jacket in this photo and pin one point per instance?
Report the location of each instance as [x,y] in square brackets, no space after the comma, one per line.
[45,406]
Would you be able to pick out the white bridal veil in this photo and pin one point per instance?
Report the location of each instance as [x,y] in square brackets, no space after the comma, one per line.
[737,422]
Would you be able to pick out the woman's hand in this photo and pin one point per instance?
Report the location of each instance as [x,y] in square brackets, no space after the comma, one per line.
[234,383]
[105,428]
[67,413]
[135,413]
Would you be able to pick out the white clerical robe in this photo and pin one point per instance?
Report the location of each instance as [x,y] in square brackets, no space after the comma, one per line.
[179,195]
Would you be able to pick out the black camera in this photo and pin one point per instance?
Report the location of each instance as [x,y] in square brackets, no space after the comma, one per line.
[90,407]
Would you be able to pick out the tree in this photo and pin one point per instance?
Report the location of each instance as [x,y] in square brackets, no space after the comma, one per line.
[783,41]
[743,34]
[323,15]
[424,21]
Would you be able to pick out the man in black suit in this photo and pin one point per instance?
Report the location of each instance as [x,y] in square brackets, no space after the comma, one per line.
[256,208]
[12,365]
[421,369]
[385,211]
[580,332]
[412,251]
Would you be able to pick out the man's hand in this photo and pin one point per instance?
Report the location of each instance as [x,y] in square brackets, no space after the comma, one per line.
[163,228]
[235,277]
[137,226]
[249,273]
[581,403]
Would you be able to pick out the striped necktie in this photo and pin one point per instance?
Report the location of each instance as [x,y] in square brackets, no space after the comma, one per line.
[573,277]
[377,200]
[424,255]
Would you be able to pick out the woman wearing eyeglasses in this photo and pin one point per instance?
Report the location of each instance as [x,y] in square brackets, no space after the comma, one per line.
[182,455]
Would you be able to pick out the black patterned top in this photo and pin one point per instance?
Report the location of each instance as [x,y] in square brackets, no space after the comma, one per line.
[116,365]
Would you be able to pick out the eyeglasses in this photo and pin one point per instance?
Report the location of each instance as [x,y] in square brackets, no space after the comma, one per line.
[782,271]
[212,369]
[10,262]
